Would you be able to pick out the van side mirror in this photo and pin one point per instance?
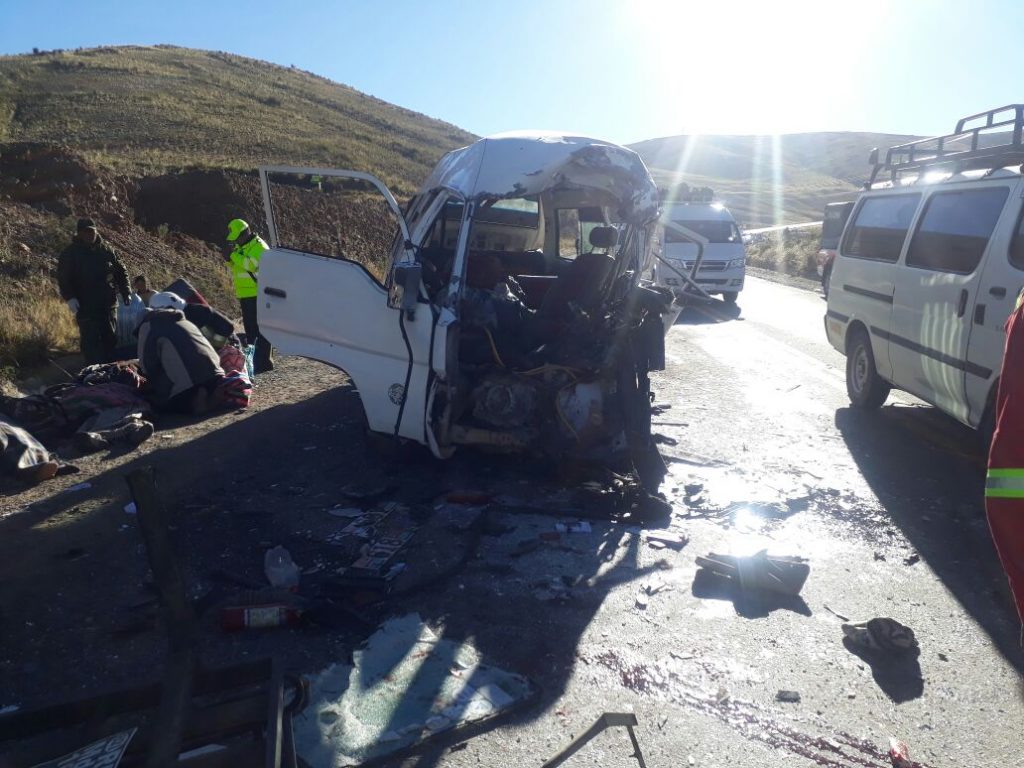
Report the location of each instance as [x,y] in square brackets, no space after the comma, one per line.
[405,287]
[873,157]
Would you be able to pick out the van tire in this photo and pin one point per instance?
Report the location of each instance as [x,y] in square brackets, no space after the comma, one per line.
[866,389]
[729,297]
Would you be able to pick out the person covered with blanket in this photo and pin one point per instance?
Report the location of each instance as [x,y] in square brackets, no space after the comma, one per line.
[182,368]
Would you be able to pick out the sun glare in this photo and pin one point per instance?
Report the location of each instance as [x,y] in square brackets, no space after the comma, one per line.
[750,67]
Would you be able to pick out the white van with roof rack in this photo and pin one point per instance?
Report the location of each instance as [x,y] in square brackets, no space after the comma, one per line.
[722,267]
[929,266]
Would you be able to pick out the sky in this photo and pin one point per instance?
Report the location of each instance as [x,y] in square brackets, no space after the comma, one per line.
[622,70]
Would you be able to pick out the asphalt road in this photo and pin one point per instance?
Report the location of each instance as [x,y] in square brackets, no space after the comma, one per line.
[763,452]
[886,507]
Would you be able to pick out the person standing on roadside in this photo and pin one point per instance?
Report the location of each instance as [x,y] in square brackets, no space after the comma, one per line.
[245,268]
[1004,485]
[90,277]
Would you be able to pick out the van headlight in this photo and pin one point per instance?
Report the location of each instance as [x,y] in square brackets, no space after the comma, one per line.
[736,264]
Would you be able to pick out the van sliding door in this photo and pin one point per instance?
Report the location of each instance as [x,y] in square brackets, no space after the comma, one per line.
[935,294]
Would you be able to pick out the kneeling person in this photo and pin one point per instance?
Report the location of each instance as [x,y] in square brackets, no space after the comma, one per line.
[181,366]
[214,325]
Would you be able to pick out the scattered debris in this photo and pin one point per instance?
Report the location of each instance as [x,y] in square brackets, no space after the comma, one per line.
[471,498]
[642,600]
[130,508]
[625,720]
[365,491]
[78,487]
[788,697]
[406,683]
[912,559]
[348,512]
[722,695]
[674,541]
[943,657]
[879,556]
[525,547]
[881,635]
[236,617]
[782,574]
[681,656]
[280,569]
[836,613]
[580,526]
[899,754]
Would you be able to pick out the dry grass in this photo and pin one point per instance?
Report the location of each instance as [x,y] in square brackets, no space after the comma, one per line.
[792,253]
[149,109]
[32,331]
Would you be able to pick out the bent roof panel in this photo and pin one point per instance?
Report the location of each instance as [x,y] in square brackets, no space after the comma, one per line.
[522,164]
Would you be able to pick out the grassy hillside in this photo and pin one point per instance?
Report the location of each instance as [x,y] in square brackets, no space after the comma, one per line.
[147,109]
[767,180]
[159,145]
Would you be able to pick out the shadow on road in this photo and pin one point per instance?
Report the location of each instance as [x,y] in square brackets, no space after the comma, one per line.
[73,564]
[706,314]
[925,472]
[899,677]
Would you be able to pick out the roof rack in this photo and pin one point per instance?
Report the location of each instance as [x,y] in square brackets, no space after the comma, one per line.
[987,140]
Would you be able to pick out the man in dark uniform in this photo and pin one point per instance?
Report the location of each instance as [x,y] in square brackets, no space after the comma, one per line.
[90,276]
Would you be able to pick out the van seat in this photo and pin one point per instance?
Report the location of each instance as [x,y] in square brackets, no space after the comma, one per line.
[535,287]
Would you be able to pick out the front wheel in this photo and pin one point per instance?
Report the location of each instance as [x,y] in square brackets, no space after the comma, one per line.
[729,297]
[867,390]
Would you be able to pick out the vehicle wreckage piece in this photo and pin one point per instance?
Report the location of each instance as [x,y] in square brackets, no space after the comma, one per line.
[625,720]
[518,309]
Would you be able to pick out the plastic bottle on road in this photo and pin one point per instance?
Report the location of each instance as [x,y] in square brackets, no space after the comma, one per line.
[281,570]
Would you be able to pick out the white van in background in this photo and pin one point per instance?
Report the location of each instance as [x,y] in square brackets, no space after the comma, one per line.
[723,268]
[928,269]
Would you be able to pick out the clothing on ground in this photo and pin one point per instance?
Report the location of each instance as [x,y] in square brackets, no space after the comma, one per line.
[19,451]
[174,355]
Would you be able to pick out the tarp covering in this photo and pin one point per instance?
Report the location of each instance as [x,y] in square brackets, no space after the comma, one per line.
[522,164]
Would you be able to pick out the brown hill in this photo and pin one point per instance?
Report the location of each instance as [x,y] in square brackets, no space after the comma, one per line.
[159,144]
[768,180]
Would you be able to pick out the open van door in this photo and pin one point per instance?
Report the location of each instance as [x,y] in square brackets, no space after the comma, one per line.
[337,238]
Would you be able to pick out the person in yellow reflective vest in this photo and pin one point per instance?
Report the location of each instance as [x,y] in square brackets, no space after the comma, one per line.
[244,260]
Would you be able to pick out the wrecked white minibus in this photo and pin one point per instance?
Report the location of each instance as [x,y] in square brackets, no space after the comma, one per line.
[512,309]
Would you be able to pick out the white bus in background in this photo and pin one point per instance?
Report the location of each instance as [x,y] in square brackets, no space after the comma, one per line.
[723,268]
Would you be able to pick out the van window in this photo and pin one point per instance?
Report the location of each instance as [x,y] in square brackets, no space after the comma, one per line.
[715,231]
[880,227]
[955,229]
[1017,245]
